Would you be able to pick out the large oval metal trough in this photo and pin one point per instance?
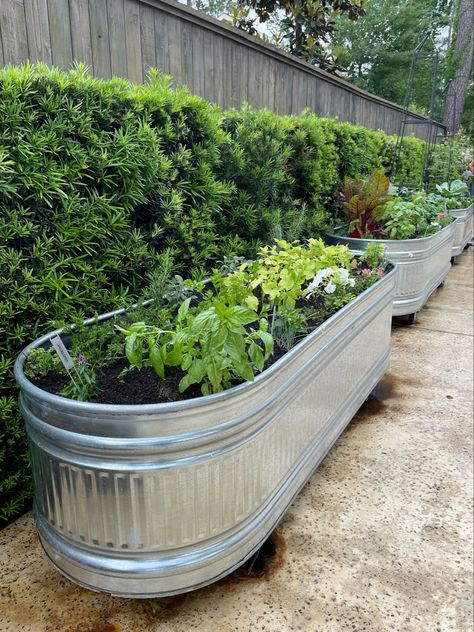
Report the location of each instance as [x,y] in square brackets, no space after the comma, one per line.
[464,228]
[159,499]
[422,264]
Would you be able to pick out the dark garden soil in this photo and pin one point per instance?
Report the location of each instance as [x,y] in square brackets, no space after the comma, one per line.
[143,386]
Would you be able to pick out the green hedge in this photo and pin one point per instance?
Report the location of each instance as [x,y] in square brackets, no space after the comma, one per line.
[97,178]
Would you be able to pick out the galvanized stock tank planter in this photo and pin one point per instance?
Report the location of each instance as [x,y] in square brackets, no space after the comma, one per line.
[422,265]
[464,228]
[152,500]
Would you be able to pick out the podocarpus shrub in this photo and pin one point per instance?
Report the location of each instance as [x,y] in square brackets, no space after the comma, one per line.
[283,169]
[362,151]
[98,177]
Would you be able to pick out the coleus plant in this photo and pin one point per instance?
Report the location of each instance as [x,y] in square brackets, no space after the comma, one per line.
[364,201]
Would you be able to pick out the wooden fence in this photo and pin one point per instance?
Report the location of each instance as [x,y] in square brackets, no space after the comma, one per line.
[219,62]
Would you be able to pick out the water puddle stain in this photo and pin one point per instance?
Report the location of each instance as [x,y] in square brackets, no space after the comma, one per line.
[261,566]
[387,389]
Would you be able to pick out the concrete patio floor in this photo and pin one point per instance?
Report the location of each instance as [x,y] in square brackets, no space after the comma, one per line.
[380,539]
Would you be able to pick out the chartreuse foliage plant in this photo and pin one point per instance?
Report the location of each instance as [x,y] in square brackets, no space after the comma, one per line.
[101,182]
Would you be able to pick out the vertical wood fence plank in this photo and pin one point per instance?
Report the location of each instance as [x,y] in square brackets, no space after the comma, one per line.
[147,37]
[234,74]
[162,37]
[2,59]
[133,40]
[283,89]
[117,40]
[175,50]
[37,28]
[60,31]
[244,74]
[187,56]
[270,88]
[81,31]
[13,28]
[219,70]
[198,60]
[209,70]
[100,38]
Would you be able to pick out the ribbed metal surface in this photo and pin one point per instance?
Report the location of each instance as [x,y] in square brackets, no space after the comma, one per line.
[464,228]
[158,499]
[422,264]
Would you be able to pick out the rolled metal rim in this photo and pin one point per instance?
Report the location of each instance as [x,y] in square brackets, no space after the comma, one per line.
[67,404]
[416,240]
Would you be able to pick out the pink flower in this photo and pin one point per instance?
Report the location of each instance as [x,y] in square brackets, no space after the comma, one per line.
[380,272]
[366,272]
[441,215]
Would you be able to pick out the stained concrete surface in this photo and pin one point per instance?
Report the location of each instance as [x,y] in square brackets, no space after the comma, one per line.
[380,539]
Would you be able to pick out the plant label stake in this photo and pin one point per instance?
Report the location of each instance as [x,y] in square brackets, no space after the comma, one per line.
[63,354]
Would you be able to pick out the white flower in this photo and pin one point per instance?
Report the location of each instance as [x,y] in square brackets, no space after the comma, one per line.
[346,280]
[318,279]
[330,288]
[344,272]
[325,272]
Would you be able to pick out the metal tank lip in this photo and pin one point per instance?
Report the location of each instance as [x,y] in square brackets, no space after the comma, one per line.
[67,404]
[465,209]
[412,240]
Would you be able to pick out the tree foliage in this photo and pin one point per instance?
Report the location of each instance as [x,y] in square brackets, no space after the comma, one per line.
[307,26]
[376,53]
